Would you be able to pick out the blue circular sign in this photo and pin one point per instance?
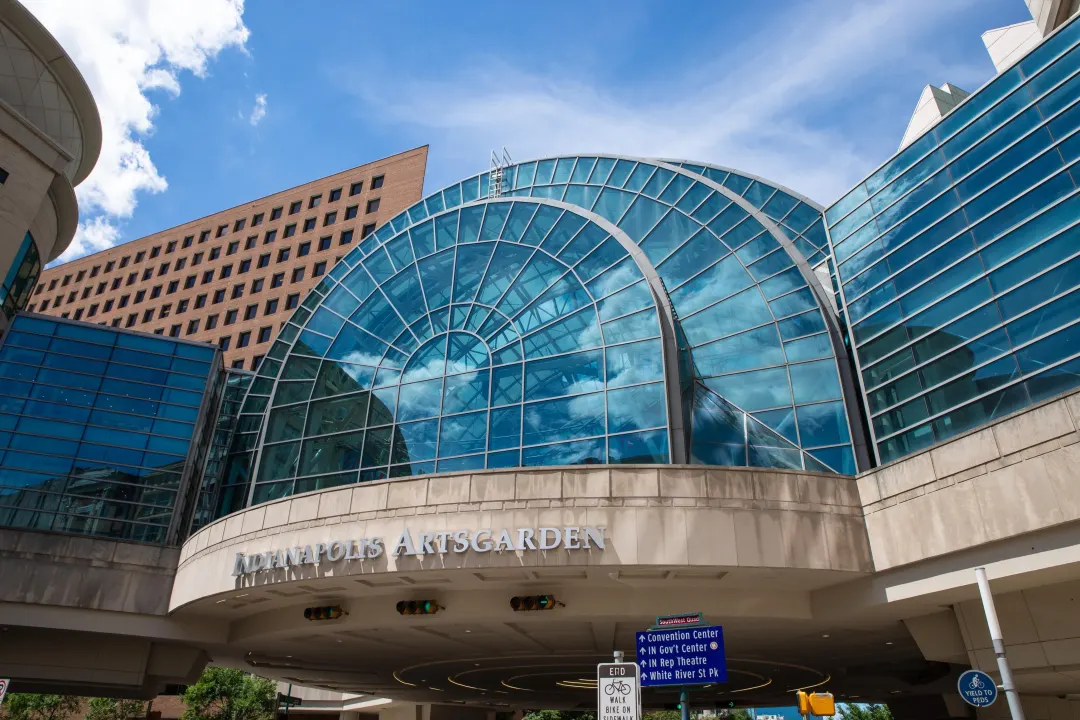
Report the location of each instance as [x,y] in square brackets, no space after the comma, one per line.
[977,688]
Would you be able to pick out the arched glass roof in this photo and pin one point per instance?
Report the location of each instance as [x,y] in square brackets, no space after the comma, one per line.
[584,310]
[800,218]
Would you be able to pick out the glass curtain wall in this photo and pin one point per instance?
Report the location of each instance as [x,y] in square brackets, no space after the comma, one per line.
[558,317]
[959,258]
[225,403]
[97,427]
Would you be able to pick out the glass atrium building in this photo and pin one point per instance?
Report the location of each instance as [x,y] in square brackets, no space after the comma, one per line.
[596,310]
[572,310]
[958,259]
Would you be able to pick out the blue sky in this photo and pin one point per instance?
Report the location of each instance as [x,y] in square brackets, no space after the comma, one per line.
[810,93]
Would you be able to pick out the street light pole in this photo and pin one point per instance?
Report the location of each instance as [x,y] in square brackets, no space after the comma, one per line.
[1015,709]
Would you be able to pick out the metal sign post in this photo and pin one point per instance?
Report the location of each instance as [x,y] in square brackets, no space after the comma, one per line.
[1015,709]
[618,691]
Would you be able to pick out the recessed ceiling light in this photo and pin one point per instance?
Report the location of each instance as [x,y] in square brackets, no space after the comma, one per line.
[895,692]
[468,631]
[341,641]
[888,642]
[288,656]
[476,664]
[825,635]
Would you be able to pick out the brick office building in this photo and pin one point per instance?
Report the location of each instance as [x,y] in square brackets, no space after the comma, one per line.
[233,277]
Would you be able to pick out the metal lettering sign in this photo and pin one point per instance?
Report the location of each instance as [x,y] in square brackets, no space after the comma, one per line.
[977,688]
[3,689]
[618,691]
[434,543]
[685,656]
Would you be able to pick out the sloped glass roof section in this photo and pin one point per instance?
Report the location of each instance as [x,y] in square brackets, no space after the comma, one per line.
[573,310]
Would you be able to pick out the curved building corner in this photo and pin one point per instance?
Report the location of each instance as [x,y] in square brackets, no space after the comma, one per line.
[50,137]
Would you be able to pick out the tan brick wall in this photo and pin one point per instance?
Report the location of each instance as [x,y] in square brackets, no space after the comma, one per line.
[403,184]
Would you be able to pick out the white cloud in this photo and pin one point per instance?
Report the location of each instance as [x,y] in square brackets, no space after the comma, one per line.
[126,49]
[259,111]
[757,106]
[93,235]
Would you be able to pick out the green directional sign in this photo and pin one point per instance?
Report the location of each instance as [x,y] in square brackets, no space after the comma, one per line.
[289,700]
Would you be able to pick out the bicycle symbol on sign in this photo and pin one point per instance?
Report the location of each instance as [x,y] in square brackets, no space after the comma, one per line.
[617,687]
[976,683]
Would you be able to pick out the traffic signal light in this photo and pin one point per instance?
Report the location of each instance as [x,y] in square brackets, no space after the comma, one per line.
[802,702]
[329,612]
[418,607]
[819,704]
[523,603]
[822,704]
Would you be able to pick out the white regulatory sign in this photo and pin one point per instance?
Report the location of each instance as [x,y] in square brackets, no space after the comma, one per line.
[618,691]
[3,689]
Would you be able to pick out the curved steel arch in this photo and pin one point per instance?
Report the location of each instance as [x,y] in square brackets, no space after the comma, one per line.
[676,439]
[665,318]
[850,389]
[750,176]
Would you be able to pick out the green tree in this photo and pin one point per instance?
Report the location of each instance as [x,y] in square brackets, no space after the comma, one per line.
[228,694]
[864,712]
[664,715]
[29,706]
[114,709]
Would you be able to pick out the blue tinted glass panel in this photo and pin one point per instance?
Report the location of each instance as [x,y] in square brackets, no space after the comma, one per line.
[564,419]
[639,448]
[636,408]
[584,452]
